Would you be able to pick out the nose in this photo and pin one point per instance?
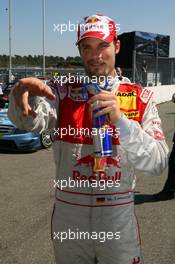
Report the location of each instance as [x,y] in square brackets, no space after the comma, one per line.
[96,54]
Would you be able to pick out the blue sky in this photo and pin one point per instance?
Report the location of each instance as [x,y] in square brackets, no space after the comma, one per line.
[141,15]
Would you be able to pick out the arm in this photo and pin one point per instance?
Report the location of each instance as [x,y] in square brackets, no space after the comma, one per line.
[42,107]
[145,145]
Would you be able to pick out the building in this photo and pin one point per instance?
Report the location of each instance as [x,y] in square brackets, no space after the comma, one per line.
[144,58]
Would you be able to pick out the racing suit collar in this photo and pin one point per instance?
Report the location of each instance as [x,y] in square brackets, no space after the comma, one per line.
[107,85]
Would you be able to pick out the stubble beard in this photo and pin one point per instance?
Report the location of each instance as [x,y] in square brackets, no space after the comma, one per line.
[96,72]
[99,74]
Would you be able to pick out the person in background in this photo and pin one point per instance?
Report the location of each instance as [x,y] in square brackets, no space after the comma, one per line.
[168,191]
[121,77]
[1,88]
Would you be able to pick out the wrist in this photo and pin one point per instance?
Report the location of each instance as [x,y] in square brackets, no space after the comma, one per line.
[123,124]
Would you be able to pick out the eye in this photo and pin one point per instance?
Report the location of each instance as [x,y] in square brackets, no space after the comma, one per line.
[104,45]
[85,50]
[85,47]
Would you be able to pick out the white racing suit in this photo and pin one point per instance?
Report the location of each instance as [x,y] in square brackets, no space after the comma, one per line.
[97,223]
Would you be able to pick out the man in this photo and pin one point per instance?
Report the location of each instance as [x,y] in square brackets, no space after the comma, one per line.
[1,88]
[121,77]
[99,223]
[168,191]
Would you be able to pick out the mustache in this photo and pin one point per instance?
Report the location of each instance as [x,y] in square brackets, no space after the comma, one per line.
[92,61]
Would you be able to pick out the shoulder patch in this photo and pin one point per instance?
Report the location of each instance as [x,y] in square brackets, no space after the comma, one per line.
[145,95]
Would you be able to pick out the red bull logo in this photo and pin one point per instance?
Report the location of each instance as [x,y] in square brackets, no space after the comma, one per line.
[114,162]
[87,161]
[100,176]
[102,163]
[93,20]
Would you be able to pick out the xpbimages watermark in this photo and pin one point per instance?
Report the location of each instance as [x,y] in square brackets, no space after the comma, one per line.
[86,132]
[85,235]
[90,182]
[73,27]
[73,78]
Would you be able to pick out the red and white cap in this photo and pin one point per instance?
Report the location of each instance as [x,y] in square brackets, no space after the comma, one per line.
[97,26]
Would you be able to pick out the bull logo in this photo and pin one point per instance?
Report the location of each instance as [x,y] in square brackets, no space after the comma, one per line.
[87,160]
[92,20]
[99,163]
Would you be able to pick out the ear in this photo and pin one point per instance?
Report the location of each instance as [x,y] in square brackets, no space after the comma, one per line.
[117,46]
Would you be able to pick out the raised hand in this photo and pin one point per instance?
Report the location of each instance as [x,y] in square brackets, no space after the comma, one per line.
[30,87]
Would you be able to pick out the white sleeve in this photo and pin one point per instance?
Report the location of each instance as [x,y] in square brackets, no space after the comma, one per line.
[45,109]
[145,146]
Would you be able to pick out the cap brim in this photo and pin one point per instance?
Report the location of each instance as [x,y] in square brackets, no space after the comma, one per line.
[109,40]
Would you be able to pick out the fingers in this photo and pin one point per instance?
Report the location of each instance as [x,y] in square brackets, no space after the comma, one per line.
[112,110]
[100,104]
[46,91]
[25,107]
[17,92]
[24,103]
[104,96]
[30,87]
[104,111]
[107,103]
[21,95]
[101,100]
[36,87]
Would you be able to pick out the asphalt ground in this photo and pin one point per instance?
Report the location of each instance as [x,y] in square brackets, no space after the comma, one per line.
[26,201]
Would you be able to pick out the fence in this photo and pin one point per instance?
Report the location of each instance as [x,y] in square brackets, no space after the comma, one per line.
[149,68]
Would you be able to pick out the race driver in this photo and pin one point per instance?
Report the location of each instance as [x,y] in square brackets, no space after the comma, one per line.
[84,213]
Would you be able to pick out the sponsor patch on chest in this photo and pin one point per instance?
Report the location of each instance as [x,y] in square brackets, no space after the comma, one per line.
[145,95]
[127,100]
